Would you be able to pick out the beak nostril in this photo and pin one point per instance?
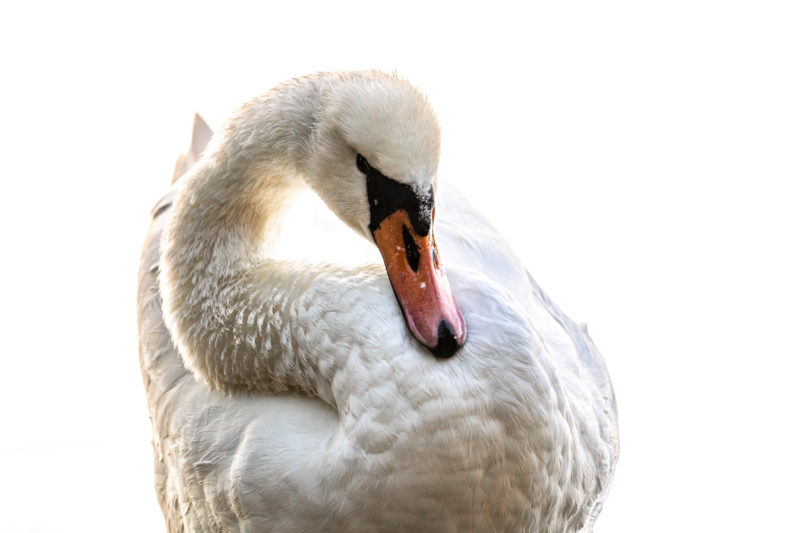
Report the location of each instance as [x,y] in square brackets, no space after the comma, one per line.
[412,250]
[447,345]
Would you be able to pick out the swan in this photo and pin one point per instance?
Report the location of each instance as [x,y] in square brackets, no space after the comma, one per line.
[440,391]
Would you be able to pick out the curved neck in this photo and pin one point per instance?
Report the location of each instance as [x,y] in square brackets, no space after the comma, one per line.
[231,309]
[251,173]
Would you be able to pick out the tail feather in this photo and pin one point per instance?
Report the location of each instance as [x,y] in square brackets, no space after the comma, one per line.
[201,135]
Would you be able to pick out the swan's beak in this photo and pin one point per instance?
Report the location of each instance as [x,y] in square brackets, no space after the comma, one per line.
[420,284]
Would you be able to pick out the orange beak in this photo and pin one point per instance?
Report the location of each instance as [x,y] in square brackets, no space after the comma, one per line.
[420,284]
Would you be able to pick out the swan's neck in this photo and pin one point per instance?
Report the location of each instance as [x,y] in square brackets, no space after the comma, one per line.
[235,199]
[228,216]
[229,307]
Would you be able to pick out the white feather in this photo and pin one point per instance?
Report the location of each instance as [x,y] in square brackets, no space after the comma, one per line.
[307,405]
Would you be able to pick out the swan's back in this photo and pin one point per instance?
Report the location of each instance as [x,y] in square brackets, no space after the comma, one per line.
[517,433]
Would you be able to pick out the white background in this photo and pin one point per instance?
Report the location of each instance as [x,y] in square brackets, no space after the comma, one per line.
[642,158]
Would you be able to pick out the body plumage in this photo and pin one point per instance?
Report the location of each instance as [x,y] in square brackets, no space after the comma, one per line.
[291,396]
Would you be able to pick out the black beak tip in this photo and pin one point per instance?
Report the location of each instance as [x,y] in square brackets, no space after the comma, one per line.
[447,345]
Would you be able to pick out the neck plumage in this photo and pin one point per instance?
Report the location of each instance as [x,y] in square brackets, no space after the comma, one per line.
[235,314]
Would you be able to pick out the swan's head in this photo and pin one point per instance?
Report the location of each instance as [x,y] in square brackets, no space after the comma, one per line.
[373,158]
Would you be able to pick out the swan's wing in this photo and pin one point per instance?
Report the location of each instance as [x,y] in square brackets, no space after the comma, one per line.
[162,370]
[594,368]
[469,240]
[201,135]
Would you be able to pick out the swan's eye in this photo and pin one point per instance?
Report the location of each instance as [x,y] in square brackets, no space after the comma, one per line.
[361,163]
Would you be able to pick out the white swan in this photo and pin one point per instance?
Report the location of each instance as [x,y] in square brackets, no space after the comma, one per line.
[309,405]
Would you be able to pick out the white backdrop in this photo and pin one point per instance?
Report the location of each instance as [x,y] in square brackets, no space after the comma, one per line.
[643,159]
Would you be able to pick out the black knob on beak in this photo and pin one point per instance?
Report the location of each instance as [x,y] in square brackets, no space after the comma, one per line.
[447,345]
